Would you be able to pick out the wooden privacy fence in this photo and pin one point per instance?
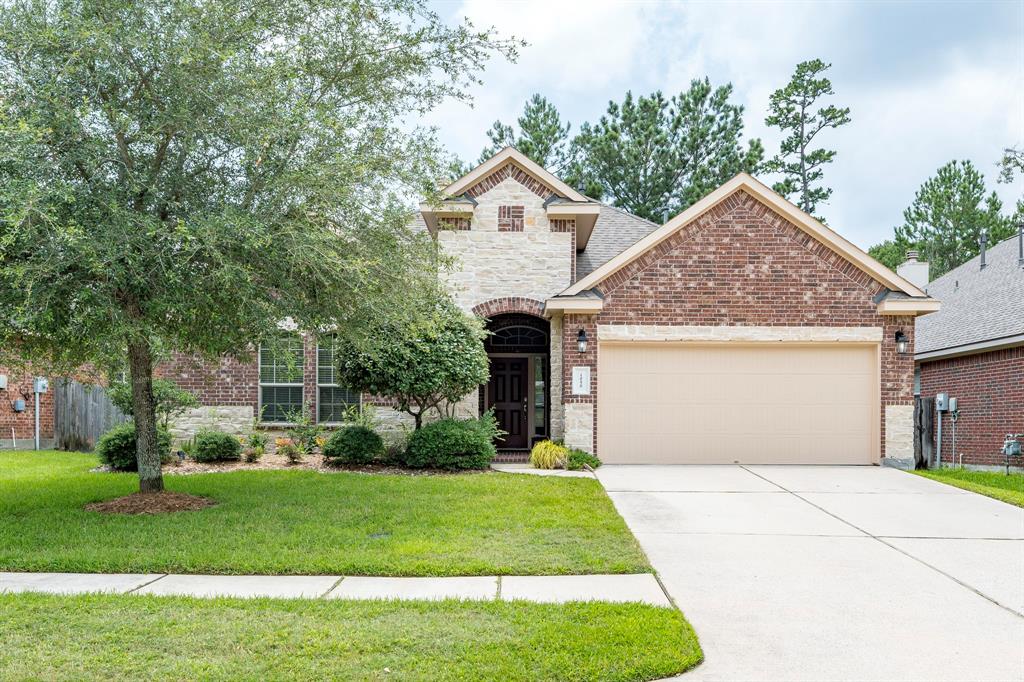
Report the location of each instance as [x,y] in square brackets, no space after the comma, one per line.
[82,413]
[924,432]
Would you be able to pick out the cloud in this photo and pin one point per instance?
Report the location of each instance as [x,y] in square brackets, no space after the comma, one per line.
[926,83]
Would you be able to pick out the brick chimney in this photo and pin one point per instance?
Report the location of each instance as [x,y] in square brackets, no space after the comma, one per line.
[913,270]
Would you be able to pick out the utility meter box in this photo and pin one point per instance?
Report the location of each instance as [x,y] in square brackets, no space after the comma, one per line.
[942,402]
[952,404]
[3,382]
[41,385]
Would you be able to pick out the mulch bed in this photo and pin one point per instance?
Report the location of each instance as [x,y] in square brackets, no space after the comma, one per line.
[151,503]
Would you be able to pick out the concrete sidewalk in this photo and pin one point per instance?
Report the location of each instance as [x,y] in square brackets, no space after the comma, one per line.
[643,588]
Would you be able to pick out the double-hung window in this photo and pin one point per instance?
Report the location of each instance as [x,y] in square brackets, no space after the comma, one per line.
[332,400]
[280,379]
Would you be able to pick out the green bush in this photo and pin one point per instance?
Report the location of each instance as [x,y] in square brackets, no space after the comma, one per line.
[216,446]
[354,445]
[116,447]
[579,459]
[452,444]
[548,455]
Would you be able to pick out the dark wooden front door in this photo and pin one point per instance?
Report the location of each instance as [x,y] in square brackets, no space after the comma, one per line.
[507,394]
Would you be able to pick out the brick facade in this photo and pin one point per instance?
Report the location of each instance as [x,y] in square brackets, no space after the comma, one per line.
[19,387]
[741,264]
[989,388]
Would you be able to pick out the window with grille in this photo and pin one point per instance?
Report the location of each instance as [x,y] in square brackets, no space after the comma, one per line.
[280,363]
[332,400]
[517,337]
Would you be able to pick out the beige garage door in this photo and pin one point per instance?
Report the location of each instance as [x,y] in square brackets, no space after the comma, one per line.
[724,403]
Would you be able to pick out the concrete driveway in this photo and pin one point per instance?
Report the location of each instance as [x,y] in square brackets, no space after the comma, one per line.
[832,573]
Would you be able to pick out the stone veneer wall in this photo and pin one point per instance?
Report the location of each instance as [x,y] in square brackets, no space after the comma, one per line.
[742,264]
[533,263]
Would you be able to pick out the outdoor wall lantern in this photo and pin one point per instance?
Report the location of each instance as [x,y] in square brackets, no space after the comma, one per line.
[581,340]
[902,344]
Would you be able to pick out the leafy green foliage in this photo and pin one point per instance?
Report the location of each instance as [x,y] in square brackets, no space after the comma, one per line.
[216,446]
[354,445]
[655,156]
[169,399]
[304,432]
[792,110]
[548,455]
[580,459]
[364,414]
[1011,164]
[542,136]
[452,444]
[116,448]
[890,253]
[949,214]
[429,364]
[182,176]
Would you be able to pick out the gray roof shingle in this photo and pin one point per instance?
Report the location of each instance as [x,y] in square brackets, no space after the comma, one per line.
[614,232]
[977,305]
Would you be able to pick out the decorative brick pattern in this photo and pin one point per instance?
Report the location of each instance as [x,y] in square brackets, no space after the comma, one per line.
[510,304]
[510,219]
[510,170]
[741,264]
[989,388]
[453,223]
[570,227]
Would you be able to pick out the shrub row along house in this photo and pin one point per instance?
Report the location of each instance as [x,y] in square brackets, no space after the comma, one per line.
[740,330]
[973,350]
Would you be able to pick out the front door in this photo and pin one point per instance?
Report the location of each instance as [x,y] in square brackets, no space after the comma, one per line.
[507,394]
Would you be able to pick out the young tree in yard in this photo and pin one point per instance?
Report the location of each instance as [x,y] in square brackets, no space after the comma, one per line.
[542,136]
[431,364]
[949,214]
[654,156]
[792,110]
[182,175]
[169,400]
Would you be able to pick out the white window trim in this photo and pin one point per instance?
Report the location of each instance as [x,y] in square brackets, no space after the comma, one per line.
[260,384]
[334,385]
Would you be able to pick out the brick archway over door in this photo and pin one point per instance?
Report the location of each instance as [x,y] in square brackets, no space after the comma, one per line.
[510,304]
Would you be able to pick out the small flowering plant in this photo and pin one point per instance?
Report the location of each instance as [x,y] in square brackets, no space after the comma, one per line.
[287,448]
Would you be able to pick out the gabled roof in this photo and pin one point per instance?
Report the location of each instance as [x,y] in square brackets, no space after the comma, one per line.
[615,231]
[513,155]
[981,308]
[768,197]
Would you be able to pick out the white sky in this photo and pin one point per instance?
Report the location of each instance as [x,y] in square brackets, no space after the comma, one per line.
[926,82]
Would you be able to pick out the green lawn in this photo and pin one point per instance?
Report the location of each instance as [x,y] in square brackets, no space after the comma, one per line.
[141,638]
[279,522]
[991,483]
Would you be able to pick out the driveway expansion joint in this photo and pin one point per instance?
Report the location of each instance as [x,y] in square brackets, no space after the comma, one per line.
[881,539]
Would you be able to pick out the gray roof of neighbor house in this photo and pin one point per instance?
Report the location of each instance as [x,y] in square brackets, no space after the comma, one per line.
[615,231]
[979,306]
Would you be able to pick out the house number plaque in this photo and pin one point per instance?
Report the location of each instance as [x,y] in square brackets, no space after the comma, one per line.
[581,380]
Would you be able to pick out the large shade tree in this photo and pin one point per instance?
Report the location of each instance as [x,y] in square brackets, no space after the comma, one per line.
[185,175]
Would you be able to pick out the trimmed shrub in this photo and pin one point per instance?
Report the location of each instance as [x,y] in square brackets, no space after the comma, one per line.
[548,455]
[354,445]
[580,459]
[116,447]
[452,444]
[216,446]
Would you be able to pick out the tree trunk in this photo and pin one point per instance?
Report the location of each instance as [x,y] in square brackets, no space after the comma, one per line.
[140,363]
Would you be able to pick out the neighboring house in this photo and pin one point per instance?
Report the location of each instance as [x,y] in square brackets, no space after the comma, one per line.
[973,350]
[17,426]
[741,330]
